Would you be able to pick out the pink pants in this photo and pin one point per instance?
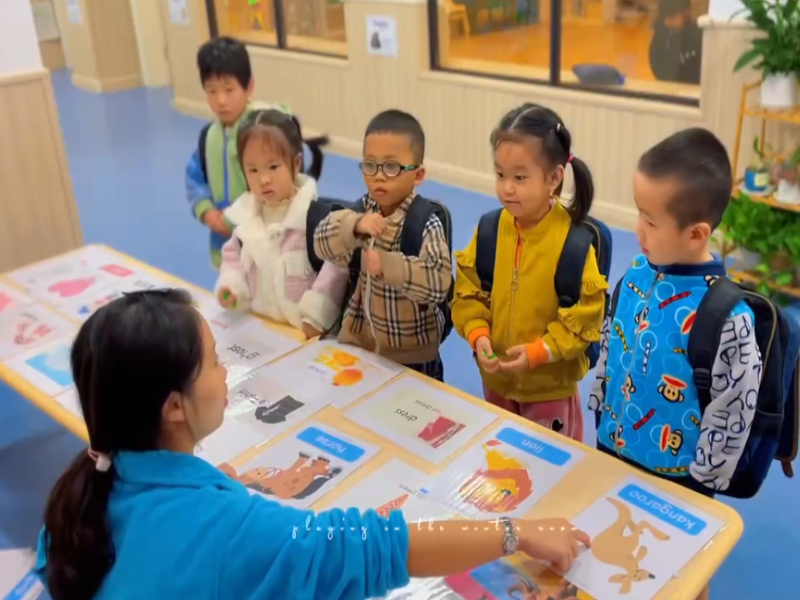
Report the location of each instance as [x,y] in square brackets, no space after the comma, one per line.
[563,416]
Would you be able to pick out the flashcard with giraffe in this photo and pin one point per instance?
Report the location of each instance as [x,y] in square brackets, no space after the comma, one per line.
[300,469]
[340,372]
[641,538]
[395,486]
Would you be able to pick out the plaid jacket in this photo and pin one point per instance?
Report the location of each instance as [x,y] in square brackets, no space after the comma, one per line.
[395,315]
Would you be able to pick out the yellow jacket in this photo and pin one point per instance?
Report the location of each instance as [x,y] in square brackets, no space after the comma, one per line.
[556,338]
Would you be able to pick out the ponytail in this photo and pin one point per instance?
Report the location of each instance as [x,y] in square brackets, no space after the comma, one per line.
[317,157]
[584,190]
[80,551]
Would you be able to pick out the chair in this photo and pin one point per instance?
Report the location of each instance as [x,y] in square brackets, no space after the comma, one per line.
[457,12]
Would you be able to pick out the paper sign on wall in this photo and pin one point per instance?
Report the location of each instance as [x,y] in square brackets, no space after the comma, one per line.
[74,12]
[382,35]
[178,13]
[44,19]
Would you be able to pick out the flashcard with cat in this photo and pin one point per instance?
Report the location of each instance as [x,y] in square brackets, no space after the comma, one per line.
[29,327]
[11,299]
[300,469]
[641,538]
[47,366]
[396,486]
[259,408]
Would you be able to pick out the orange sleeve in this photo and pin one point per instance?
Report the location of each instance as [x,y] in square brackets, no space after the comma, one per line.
[538,353]
[476,333]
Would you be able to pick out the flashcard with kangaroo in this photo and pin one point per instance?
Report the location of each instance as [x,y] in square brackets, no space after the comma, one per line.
[641,538]
[300,469]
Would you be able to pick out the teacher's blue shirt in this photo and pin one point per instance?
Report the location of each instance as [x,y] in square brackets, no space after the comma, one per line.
[183,529]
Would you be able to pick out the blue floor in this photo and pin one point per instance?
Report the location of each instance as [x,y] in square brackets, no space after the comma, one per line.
[127,153]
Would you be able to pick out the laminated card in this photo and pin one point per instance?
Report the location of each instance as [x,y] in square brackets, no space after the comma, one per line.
[421,418]
[47,366]
[641,538]
[340,372]
[82,308]
[505,474]
[30,327]
[258,409]
[300,469]
[12,299]
[243,350]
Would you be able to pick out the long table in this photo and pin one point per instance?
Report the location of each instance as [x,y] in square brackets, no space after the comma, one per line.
[592,476]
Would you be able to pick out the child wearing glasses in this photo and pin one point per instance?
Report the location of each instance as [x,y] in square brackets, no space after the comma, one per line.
[396,307]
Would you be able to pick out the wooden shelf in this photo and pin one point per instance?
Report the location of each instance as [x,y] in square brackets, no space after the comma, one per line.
[769,199]
[787,115]
[737,274]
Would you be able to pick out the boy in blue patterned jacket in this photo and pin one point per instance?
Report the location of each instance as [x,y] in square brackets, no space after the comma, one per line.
[643,394]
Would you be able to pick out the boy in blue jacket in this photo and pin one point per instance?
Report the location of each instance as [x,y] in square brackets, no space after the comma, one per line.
[644,395]
[214,177]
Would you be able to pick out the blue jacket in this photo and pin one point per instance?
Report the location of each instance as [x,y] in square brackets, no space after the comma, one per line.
[183,529]
[644,390]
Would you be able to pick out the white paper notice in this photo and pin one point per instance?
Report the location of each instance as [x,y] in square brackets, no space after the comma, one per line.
[509,472]
[47,367]
[381,35]
[178,13]
[421,418]
[30,327]
[259,409]
[74,12]
[342,373]
[11,299]
[241,352]
[641,538]
[300,469]
[396,486]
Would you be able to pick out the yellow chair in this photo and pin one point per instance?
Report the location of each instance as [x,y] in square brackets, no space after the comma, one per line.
[457,12]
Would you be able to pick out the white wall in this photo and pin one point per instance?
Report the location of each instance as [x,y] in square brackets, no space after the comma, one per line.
[152,42]
[19,45]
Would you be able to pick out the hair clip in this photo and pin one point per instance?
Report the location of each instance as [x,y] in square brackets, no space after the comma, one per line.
[558,127]
[102,462]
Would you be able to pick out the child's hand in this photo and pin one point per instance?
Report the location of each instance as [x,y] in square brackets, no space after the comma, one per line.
[486,356]
[214,220]
[227,298]
[310,331]
[519,360]
[372,262]
[371,225]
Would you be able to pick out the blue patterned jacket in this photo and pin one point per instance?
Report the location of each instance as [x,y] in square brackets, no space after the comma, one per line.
[644,390]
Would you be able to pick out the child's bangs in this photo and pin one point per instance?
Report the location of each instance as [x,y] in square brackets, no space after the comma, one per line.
[269,138]
[505,135]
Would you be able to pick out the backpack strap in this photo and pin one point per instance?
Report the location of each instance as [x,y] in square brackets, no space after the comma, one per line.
[201,149]
[419,212]
[317,211]
[486,247]
[716,305]
[355,261]
[569,272]
[612,308]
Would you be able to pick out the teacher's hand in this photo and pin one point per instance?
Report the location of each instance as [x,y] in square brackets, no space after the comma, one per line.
[554,540]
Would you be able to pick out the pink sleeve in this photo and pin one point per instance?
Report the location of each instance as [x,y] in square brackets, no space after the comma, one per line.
[322,304]
[232,274]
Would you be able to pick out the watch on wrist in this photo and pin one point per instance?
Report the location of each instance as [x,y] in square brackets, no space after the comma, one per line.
[510,538]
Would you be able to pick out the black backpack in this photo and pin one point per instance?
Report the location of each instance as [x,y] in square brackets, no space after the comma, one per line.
[314,145]
[419,212]
[774,431]
[569,272]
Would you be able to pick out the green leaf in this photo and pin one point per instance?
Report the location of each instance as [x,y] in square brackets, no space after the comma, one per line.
[746,58]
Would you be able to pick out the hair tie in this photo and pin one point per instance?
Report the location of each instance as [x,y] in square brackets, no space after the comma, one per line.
[569,160]
[102,462]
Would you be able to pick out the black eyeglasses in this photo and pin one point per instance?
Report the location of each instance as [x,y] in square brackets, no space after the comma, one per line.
[390,168]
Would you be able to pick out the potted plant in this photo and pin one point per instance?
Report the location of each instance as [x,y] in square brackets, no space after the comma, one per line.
[776,53]
[742,227]
[786,179]
[757,175]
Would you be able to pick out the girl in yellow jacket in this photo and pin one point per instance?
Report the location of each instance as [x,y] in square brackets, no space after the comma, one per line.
[531,353]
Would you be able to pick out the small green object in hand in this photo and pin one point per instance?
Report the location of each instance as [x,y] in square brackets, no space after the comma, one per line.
[489,357]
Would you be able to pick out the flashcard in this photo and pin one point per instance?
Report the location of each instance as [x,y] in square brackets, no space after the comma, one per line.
[29,327]
[242,352]
[506,474]
[396,486]
[69,400]
[86,305]
[515,577]
[47,366]
[340,372]
[421,418]
[224,322]
[641,538]
[258,409]
[11,299]
[300,469]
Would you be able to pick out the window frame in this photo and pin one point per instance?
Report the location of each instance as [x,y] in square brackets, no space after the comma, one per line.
[280,31]
[554,80]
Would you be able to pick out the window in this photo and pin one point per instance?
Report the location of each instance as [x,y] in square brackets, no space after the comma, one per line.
[308,25]
[649,48]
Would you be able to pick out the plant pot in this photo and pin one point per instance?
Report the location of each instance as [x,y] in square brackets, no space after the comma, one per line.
[749,259]
[788,193]
[779,90]
[756,180]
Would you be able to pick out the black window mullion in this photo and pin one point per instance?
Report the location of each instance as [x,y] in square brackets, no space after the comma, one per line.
[555,41]
[433,33]
[280,24]
[211,16]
